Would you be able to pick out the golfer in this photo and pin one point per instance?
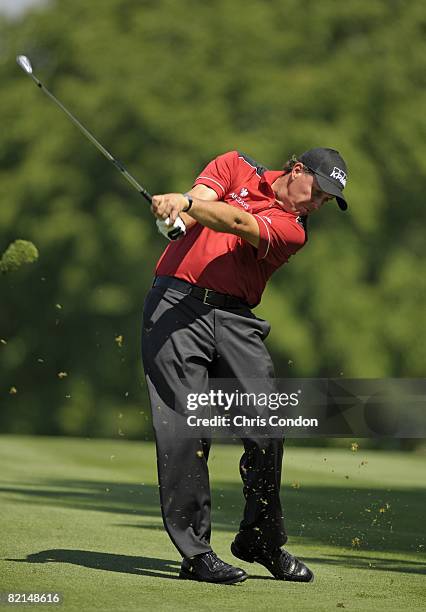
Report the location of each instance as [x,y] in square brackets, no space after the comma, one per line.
[242,223]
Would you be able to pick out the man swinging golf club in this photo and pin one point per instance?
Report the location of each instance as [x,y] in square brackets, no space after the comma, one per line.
[242,222]
[237,225]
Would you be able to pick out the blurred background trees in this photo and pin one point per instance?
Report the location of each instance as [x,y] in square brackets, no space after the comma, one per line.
[166,85]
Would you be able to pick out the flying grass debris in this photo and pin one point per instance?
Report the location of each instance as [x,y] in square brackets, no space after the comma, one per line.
[384,508]
[18,253]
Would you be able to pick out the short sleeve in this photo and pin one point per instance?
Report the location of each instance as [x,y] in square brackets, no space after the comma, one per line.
[219,173]
[280,238]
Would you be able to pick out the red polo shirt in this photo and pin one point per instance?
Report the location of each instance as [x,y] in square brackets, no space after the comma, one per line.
[225,262]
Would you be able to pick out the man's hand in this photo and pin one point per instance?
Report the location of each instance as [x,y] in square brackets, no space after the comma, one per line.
[171,232]
[206,210]
[168,206]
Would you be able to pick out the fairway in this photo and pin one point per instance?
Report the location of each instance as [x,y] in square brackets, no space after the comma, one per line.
[81,517]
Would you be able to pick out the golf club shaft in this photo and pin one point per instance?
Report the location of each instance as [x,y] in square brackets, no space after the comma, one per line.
[93,140]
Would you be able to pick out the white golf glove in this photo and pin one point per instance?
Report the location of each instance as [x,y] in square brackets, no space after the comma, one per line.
[171,232]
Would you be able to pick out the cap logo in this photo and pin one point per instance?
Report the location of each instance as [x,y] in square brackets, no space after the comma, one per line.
[339,175]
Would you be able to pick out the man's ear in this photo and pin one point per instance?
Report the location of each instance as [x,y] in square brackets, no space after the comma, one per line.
[297,170]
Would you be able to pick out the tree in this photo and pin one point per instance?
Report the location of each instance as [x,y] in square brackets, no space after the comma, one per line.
[166,86]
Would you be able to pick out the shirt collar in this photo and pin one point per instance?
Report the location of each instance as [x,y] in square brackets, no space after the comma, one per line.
[266,181]
[268,178]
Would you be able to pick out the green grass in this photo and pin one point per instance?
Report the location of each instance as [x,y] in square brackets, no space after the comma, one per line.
[81,517]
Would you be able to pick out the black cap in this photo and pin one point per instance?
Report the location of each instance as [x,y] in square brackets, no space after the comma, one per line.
[330,171]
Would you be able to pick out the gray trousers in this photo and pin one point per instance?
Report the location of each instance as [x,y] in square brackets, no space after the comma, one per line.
[184,343]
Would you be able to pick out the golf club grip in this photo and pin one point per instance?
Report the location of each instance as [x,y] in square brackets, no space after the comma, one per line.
[117,163]
[146,195]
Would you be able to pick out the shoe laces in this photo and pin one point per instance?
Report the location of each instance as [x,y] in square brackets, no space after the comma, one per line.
[287,560]
[214,560]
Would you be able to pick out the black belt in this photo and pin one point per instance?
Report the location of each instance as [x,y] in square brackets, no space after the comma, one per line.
[207,296]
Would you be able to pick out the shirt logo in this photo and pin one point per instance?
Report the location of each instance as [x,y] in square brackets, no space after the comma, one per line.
[243,192]
[339,175]
[239,199]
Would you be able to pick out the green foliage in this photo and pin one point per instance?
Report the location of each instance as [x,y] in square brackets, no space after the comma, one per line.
[165,86]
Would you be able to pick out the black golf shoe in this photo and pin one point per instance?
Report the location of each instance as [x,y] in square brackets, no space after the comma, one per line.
[278,561]
[207,567]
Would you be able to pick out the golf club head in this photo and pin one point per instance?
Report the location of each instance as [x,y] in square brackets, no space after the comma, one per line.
[24,63]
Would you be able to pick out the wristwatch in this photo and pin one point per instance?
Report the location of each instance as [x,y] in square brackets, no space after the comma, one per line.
[190,201]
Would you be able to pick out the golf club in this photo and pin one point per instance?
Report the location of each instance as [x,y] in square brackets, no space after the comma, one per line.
[178,228]
[26,66]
